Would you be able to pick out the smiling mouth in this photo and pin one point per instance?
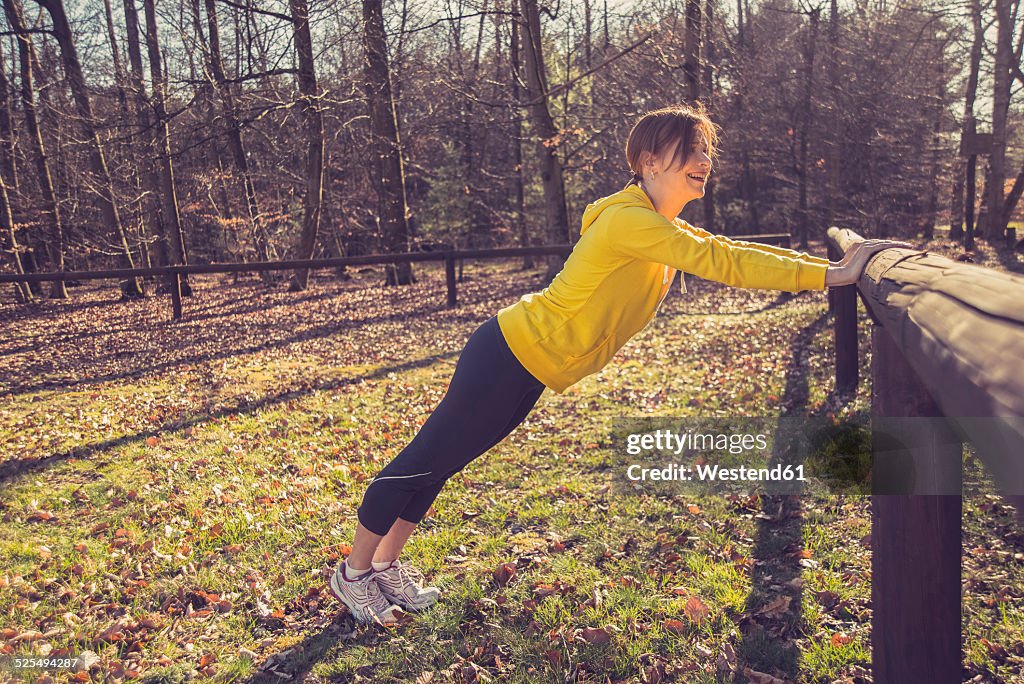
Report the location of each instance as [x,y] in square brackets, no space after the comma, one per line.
[697,177]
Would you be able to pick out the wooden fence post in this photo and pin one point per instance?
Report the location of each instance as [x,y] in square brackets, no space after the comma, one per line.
[449,276]
[916,538]
[174,283]
[842,303]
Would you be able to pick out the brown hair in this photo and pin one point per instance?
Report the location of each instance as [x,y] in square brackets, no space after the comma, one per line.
[658,130]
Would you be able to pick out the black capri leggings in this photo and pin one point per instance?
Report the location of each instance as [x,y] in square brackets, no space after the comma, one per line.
[489,395]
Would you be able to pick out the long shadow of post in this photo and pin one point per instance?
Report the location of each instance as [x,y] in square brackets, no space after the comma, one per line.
[767,644]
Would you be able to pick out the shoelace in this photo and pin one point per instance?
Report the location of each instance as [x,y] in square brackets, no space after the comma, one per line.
[410,574]
[366,591]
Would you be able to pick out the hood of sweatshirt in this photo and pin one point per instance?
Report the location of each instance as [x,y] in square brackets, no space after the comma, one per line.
[631,196]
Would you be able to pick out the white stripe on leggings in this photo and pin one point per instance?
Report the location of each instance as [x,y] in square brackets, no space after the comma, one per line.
[396,477]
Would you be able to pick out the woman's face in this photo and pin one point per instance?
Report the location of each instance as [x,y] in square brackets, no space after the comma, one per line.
[683,183]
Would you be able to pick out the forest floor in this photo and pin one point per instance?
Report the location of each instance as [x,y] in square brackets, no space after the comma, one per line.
[173,495]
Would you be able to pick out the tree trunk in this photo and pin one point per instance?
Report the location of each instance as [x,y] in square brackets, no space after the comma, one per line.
[960,203]
[806,117]
[555,214]
[314,128]
[1013,197]
[834,141]
[146,157]
[233,129]
[126,106]
[8,160]
[517,145]
[936,141]
[101,181]
[8,175]
[691,63]
[50,207]
[971,190]
[171,218]
[710,73]
[385,146]
[1000,107]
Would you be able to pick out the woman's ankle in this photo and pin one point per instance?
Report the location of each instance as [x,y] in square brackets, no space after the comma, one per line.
[379,565]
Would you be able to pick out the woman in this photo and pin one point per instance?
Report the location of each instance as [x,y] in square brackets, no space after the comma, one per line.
[610,287]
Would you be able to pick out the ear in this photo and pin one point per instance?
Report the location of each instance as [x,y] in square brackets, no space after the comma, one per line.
[648,162]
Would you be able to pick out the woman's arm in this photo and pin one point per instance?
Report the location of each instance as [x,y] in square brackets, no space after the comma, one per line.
[771,249]
[642,234]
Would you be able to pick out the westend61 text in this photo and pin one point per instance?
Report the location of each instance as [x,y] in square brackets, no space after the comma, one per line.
[711,473]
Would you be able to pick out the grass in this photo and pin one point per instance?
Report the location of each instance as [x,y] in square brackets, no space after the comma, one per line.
[176,512]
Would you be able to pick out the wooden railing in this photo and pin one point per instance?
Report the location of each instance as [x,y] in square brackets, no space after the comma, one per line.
[173,274]
[947,366]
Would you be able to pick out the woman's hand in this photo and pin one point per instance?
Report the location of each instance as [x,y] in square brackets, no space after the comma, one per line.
[849,270]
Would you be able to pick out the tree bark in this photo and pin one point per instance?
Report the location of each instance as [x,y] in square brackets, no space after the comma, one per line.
[385,146]
[709,96]
[313,201]
[936,141]
[833,139]
[233,129]
[691,62]
[517,145]
[958,210]
[121,82]
[555,214]
[146,159]
[48,197]
[806,117]
[162,139]
[1000,107]
[10,241]
[101,181]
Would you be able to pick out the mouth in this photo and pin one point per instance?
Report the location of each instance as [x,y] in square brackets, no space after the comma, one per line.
[700,178]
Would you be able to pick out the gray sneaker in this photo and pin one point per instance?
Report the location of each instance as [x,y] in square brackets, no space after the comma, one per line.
[403,585]
[364,598]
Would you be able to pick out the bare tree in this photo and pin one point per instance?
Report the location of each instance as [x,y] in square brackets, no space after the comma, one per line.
[517,144]
[555,214]
[385,146]
[8,173]
[48,198]
[233,130]
[170,218]
[1000,106]
[314,130]
[691,63]
[104,187]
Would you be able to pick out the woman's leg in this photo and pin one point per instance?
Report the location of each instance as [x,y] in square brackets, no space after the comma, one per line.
[486,393]
[420,504]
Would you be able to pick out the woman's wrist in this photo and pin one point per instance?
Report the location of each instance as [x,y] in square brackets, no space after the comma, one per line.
[830,275]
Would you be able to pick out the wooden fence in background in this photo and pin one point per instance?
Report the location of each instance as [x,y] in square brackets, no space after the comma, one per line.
[172,274]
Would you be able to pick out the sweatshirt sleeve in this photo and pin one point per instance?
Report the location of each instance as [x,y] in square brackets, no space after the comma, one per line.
[772,249]
[643,234]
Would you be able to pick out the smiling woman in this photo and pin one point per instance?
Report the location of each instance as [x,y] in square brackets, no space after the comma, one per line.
[670,152]
[631,243]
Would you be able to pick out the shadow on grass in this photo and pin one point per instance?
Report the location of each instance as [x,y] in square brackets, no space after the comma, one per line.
[17,467]
[767,641]
[229,340]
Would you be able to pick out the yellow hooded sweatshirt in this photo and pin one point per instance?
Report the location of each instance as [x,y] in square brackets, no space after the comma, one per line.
[617,276]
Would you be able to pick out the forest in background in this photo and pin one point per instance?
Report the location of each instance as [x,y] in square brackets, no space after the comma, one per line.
[240,130]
